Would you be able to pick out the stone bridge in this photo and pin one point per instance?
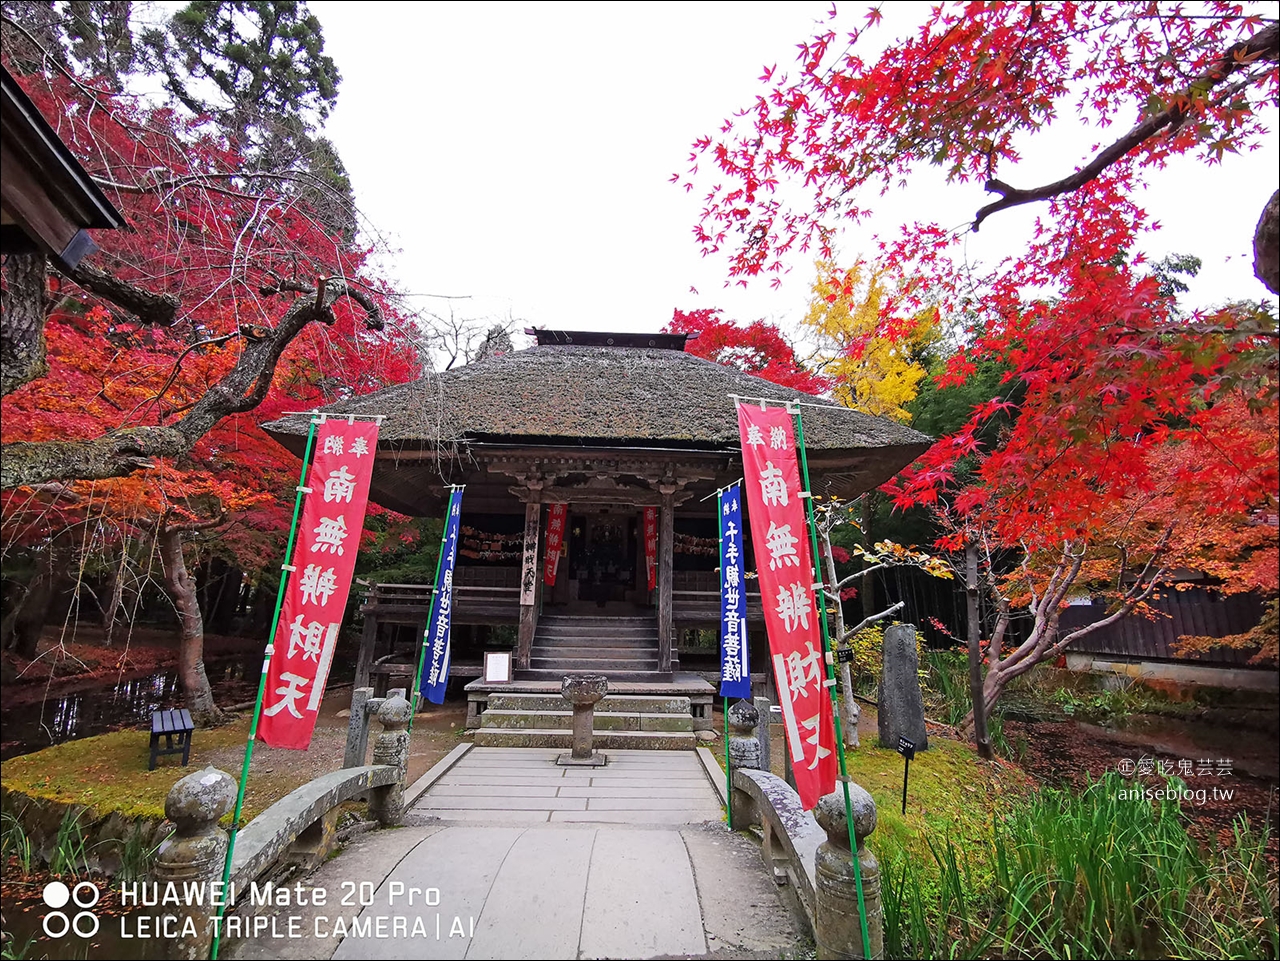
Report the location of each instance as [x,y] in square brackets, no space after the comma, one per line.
[502,853]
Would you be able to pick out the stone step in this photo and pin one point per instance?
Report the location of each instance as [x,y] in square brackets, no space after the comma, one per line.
[606,740]
[618,703]
[603,721]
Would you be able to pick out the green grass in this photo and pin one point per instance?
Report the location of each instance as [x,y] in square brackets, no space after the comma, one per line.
[951,793]
[1089,874]
[108,773]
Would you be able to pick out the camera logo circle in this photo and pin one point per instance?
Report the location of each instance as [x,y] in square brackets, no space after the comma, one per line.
[57,923]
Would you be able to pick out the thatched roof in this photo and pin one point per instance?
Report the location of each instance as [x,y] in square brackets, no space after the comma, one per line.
[608,396]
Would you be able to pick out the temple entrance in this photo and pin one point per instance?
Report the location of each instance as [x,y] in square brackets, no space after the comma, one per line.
[603,553]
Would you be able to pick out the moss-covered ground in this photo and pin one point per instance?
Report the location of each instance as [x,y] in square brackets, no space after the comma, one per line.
[951,792]
[108,773]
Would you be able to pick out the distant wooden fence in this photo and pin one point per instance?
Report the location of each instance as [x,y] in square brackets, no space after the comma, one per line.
[1197,612]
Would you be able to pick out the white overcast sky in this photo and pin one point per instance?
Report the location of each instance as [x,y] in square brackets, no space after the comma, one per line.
[520,155]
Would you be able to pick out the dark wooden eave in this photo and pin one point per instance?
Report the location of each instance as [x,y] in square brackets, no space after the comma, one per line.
[604,338]
[47,199]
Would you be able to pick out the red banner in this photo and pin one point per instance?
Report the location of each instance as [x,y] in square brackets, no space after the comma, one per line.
[324,558]
[785,569]
[651,545]
[555,537]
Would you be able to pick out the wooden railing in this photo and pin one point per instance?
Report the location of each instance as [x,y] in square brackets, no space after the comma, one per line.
[477,592]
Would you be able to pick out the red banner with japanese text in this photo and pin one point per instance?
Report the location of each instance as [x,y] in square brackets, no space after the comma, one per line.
[651,545]
[324,558]
[785,570]
[555,538]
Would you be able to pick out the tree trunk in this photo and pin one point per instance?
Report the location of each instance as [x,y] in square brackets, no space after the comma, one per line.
[113,591]
[1266,245]
[868,588]
[21,627]
[191,672]
[22,321]
[849,705]
[979,711]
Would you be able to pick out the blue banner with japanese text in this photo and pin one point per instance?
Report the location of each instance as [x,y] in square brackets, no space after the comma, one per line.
[735,676]
[435,666]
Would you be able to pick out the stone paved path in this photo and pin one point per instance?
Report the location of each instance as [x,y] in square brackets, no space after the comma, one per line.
[507,856]
[523,785]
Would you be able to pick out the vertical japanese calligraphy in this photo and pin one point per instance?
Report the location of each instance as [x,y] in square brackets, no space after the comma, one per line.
[735,677]
[785,570]
[435,666]
[555,537]
[319,572]
[651,545]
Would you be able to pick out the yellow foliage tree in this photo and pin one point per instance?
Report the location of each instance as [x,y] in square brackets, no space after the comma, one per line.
[873,373]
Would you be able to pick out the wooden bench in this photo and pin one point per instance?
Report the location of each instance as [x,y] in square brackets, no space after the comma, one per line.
[171,725]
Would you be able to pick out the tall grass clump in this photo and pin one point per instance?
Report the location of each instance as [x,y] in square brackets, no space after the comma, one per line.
[1100,873]
[70,855]
[15,843]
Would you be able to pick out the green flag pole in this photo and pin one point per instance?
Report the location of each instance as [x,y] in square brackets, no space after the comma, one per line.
[422,651]
[285,568]
[820,598]
[728,774]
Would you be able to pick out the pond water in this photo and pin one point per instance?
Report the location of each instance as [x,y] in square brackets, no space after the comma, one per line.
[116,934]
[94,707]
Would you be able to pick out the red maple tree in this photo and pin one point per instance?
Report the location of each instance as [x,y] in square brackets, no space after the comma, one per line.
[225,303]
[1124,399]
[758,348]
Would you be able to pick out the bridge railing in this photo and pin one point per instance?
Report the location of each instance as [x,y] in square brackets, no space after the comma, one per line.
[808,851]
[298,830]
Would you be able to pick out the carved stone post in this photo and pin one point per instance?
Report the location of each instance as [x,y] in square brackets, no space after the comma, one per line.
[583,691]
[744,753]
[666,546]
[766,718]
[386,804]
[837,928]
[195,854]
[744,746]
[529,574]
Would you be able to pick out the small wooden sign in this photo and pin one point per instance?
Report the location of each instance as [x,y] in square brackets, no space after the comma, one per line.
[844,655]
[497,667]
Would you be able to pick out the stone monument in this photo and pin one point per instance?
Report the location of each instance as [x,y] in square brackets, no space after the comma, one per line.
[583,691]
[901,705]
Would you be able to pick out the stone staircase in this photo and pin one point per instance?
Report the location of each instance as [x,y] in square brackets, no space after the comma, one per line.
[624,648]
[622,721]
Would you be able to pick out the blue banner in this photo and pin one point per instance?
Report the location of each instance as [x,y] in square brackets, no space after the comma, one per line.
[435,666]
[735,675]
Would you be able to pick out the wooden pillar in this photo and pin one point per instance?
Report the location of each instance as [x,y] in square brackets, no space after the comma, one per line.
[529,578]
[368,640]
[666,546]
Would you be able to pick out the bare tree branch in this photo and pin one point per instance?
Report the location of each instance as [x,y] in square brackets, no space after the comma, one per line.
[1265,44]
[150,308]
[121,452]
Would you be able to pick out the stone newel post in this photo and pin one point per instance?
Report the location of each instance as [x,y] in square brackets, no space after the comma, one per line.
[837,929]
[744,746]
[583,691]
[195,854]
[744,754]
[386,804]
